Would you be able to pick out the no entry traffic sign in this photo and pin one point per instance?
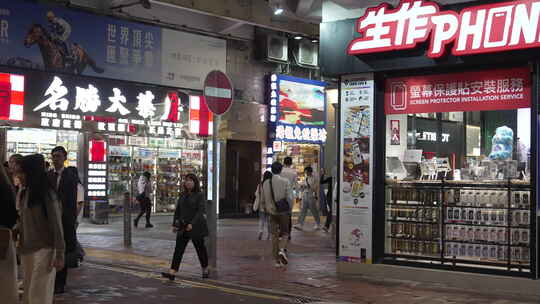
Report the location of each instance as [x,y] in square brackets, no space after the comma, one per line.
[218,92]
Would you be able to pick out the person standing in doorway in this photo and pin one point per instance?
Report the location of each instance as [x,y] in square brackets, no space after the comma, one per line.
[41,243]
[71,195]
[263,216]
[327,180]
[276,189]
[290,174]
[190,224]
[309,200]
[144,198]
[8,259]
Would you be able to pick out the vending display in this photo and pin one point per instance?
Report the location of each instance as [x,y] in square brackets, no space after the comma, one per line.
[473,224]
[119,174]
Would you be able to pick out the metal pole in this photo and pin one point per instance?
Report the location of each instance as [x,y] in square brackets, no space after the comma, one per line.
[127,204]
[212,211]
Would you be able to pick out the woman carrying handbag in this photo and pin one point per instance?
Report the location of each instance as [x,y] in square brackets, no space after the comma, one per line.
[190,224]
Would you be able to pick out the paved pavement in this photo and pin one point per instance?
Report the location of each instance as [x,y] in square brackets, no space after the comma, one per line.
[245,273]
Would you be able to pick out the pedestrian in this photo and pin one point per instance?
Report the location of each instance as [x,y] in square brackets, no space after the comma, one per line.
[71,195]
[8,259]
[276,193]
[190,224]
[290,174]
[263,216]
[14,162]
[310,192]
[327,180]
[41,243]
[144,197]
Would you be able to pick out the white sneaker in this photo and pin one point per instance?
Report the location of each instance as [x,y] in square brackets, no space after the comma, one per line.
[316,227]
[283,257]
[278,265]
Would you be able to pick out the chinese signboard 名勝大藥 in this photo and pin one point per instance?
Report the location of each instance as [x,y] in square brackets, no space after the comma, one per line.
[487,28]
[500,89]
[64,40]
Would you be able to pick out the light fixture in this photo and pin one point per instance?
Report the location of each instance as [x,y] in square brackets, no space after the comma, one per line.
[278,10]
[145,3]
[298,37]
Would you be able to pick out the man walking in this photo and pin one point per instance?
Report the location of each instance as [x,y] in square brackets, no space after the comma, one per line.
[71,195]
[274,190]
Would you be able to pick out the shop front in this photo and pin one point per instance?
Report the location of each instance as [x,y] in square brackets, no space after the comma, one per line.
[113,131]
[438,130]
[297,124]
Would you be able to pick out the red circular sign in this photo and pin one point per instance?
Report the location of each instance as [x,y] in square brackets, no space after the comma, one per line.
[218,92]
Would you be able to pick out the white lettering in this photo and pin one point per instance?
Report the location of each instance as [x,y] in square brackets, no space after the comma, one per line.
[469,29]
[525,24]
[502,14]
[4,25]
[441,36]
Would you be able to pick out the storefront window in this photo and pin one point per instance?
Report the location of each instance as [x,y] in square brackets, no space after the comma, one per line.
[458,188]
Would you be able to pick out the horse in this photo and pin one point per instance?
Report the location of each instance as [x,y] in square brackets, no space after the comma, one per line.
[52,55]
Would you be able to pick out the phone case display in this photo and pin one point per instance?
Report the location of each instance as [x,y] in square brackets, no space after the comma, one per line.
[119,160]
[168,180]
[413,222]
[483,224]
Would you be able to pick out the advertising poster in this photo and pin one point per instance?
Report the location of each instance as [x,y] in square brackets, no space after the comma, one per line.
[502,89]
[63,40]
[356,168]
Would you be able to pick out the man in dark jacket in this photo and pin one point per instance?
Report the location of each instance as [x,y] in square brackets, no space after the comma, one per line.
[71,194]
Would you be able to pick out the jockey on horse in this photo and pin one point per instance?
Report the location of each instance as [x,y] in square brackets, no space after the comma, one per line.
[60,31]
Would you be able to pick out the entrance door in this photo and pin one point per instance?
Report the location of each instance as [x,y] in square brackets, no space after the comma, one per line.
[243,175]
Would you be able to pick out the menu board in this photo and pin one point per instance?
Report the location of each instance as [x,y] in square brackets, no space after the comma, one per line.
[356,168]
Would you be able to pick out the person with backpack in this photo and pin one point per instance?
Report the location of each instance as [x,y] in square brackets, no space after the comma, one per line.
[276,200]
[41,242]
[8,259]
[263,216]
[309,199]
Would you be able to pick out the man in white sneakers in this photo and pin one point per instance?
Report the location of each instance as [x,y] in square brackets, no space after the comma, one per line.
[275,190]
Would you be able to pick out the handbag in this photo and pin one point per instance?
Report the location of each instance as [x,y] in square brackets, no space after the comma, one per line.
[282,205]
[5,240]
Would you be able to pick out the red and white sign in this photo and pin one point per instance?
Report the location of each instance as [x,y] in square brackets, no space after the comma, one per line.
[11,97]
[501,89]
[200,118]
[218,92]
[480,29]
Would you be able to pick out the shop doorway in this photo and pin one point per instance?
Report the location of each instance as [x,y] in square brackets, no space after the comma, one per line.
[243,169]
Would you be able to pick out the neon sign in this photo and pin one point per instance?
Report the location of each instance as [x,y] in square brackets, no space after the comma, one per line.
[480,29]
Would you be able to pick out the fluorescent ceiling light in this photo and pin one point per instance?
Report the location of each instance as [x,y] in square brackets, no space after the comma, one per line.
[278,11]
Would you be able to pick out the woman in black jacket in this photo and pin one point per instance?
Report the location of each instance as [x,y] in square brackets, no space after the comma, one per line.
[190,224]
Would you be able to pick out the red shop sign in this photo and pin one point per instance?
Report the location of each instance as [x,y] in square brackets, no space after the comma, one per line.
[479,29]
[502,89]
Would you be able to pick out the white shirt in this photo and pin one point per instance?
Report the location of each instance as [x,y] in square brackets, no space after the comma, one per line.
[144,186]
[80,188]
[291,175]
[281,190]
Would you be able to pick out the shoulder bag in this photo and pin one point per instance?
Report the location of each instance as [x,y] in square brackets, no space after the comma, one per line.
[282,205]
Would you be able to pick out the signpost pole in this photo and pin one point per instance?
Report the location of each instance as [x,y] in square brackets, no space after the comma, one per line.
[212,212]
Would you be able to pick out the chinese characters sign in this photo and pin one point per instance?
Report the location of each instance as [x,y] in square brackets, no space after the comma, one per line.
[501,89]
[481,29]
[297,109]
[76,42]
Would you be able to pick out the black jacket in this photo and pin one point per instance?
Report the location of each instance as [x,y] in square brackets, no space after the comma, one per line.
[191,209]
[67,193]
[8,213]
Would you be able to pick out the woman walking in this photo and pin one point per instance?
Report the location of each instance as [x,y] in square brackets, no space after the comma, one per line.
[8,260]
[41,236]
[309,200]
[190,224]
[263,216]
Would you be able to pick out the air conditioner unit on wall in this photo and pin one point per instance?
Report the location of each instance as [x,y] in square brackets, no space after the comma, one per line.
[307,53]
[277,48]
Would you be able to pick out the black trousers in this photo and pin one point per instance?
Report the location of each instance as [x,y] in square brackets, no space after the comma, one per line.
[146,207]
[70,238]
[182,239]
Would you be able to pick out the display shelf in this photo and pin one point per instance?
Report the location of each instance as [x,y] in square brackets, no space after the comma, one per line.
[503,244]
[487,225]
[412,222]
